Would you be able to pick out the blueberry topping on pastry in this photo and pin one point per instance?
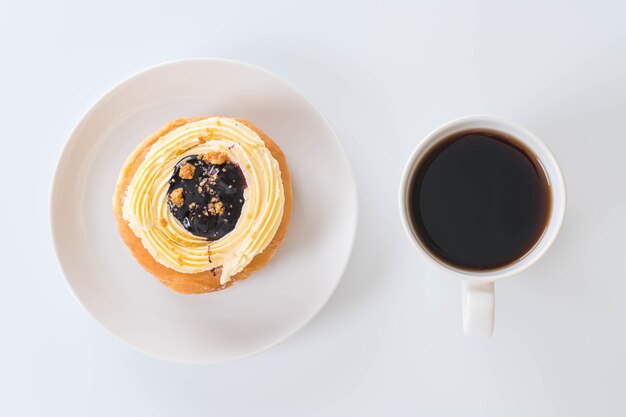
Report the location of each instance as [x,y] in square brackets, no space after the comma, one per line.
[206,195]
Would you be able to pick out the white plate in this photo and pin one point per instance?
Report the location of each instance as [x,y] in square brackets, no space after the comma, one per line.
[253,315]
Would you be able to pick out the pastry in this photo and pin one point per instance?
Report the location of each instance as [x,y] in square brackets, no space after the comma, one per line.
[204,202]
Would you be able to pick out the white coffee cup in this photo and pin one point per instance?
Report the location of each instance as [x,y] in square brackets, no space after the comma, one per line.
[478,287]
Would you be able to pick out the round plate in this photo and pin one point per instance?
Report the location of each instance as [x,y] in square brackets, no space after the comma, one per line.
[253,315]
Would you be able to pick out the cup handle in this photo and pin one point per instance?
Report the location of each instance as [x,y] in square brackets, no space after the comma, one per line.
[478,308]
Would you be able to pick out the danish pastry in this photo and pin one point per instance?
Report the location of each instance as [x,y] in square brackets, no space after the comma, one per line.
[204,202]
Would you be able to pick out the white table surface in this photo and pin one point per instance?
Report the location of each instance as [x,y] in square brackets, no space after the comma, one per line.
[389,342]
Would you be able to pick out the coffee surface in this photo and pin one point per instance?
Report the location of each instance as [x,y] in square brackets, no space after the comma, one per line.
[480,200]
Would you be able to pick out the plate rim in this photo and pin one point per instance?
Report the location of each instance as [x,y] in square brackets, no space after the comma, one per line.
[72,139]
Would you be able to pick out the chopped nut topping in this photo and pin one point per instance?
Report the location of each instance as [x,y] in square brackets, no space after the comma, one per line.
[215,158]
[176,197]
[186,171]
[192,206]
[216,208]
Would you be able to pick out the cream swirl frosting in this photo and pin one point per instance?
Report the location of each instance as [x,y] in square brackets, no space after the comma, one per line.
[146,208]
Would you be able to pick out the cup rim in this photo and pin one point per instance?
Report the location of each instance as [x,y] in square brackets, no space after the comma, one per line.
[553,173]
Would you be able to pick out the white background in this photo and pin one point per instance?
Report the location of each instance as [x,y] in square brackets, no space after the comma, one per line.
[389,342]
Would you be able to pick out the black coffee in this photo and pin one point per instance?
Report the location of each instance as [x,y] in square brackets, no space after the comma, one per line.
[480,200]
